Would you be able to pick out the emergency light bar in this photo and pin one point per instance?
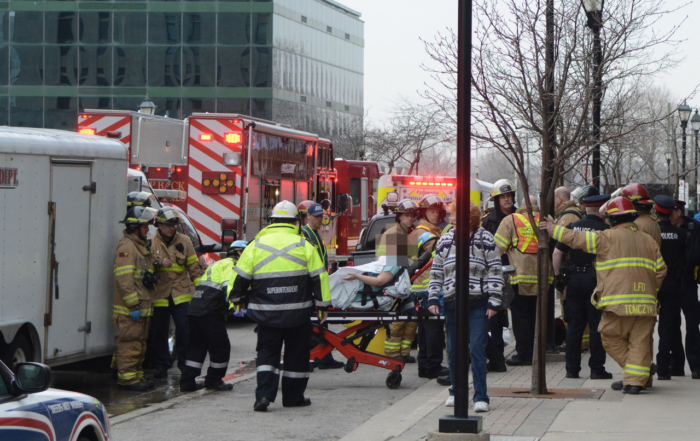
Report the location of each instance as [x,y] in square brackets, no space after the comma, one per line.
[433,184]
[87,131]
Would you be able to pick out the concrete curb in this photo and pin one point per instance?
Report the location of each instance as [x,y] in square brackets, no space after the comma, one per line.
[173,402]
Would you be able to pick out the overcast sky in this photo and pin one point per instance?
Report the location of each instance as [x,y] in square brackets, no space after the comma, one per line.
[394,53]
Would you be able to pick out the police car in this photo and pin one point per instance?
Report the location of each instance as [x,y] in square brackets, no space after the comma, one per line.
[30,411]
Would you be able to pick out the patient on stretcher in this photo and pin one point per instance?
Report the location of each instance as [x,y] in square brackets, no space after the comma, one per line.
[374,286]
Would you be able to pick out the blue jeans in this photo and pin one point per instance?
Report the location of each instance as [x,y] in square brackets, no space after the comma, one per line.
[478,338]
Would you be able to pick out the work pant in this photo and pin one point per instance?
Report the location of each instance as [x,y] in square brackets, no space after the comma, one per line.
[524,312]
[580,313]
[160,328]
[626,340]
[496,345]
[401,335]
[207,334]
[671,353]
[131,348]
[297,341]
[431,338]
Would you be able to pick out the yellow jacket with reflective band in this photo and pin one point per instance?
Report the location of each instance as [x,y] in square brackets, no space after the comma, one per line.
[174,281]
[211,294]
[568,218]
[629,267]
[286,277]
[508,241]
[647,223]
[421,283]
[132,260]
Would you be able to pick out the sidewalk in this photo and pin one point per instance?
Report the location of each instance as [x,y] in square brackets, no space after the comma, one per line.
[668,411]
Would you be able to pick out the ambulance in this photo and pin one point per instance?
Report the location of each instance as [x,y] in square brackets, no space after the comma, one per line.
[394,188]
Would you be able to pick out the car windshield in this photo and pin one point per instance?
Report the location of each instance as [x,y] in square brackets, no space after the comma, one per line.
[377,229]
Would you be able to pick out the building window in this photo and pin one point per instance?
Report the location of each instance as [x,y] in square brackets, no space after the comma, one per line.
[329,29]
[347,108]
[303,99]
[304,19]
[347,36]
[328,104]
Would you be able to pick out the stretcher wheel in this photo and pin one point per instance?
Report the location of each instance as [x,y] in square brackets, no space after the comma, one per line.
[393,380]
[348,368]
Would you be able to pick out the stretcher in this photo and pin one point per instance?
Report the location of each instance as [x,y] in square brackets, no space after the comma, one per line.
[364,331]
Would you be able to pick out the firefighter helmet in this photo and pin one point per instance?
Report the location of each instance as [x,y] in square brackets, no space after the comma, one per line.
[167,215]
[303,207]
[502,186]
[582,193]
[620,206]
[140,199]
[637,194]
[406,206]
[285,210]
[425,238]
[137,216]
[434,202]
[236,248]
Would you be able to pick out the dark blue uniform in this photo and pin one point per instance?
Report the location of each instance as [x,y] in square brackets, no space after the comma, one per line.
[578,309]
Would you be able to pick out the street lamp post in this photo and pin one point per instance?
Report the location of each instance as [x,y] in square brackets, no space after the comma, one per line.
[695,124]
[668,154]
[594,13]
[684,114]
[147,107]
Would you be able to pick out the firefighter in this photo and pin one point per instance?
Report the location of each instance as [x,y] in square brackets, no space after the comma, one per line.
[431,334]
[134,283]
[398,341]
[312,218]
[287,279]
[503,199]
[643,204]
[688,298]
[178,269]
[517,238]
[629,271]
[577,275]
[566,210]
[141,199]
[206,317]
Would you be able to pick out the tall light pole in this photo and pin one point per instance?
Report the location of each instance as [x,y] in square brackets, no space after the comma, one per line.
[147,107]
[684,114]
[695,124]
[669,155]
[594,13]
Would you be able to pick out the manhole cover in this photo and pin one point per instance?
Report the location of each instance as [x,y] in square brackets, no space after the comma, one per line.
[580,394]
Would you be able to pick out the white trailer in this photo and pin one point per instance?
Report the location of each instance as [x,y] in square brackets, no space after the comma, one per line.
[61,197]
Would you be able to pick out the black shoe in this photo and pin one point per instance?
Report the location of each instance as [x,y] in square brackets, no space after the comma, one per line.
[306,402]
[696,375]
[632,389]
[440,371]
[496,367]
[444,381]
[160,373]
[422,374]
[136,387]
[409,359]
[333,364]
[516,360]
[602,375]
[191,387]
[261,405]
[663,377]
[572,375]
[617,385]
[222,387]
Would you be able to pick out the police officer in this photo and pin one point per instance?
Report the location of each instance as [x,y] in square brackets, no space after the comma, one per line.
[206,316]
[287,279]
[629,270]
[312,219]
[503,199]
[579,312]
[134,283]
[178,269]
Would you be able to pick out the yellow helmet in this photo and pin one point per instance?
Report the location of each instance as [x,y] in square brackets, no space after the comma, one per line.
[502,186]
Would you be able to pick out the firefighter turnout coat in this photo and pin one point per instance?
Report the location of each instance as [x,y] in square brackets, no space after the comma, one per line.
[286,276]
[629,267]
[567,213]
[647,223]
[517,238]
[133,260]
[174,280]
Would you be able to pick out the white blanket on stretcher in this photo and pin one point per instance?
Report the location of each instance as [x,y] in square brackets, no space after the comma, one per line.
[344,292]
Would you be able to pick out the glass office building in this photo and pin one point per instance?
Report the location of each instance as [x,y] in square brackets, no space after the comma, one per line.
[298,62]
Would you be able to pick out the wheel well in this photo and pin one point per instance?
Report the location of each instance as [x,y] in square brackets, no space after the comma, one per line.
[88,433]
[30,333]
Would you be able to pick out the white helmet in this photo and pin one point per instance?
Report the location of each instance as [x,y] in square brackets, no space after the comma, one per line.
[502,186]
[285,210]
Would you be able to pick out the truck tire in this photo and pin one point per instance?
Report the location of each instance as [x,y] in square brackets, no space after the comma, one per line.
[20,350]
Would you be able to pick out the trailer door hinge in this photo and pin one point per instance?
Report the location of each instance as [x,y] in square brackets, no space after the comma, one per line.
[92,188]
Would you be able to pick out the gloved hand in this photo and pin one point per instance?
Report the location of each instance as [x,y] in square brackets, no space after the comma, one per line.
[560,283]
[135,315]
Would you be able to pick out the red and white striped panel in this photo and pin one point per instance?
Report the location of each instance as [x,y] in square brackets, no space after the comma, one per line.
[108,123]
[206,210]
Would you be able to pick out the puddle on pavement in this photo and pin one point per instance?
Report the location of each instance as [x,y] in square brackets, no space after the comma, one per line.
[97,381]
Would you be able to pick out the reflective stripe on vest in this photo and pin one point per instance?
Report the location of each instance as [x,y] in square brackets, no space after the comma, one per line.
[527,239]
